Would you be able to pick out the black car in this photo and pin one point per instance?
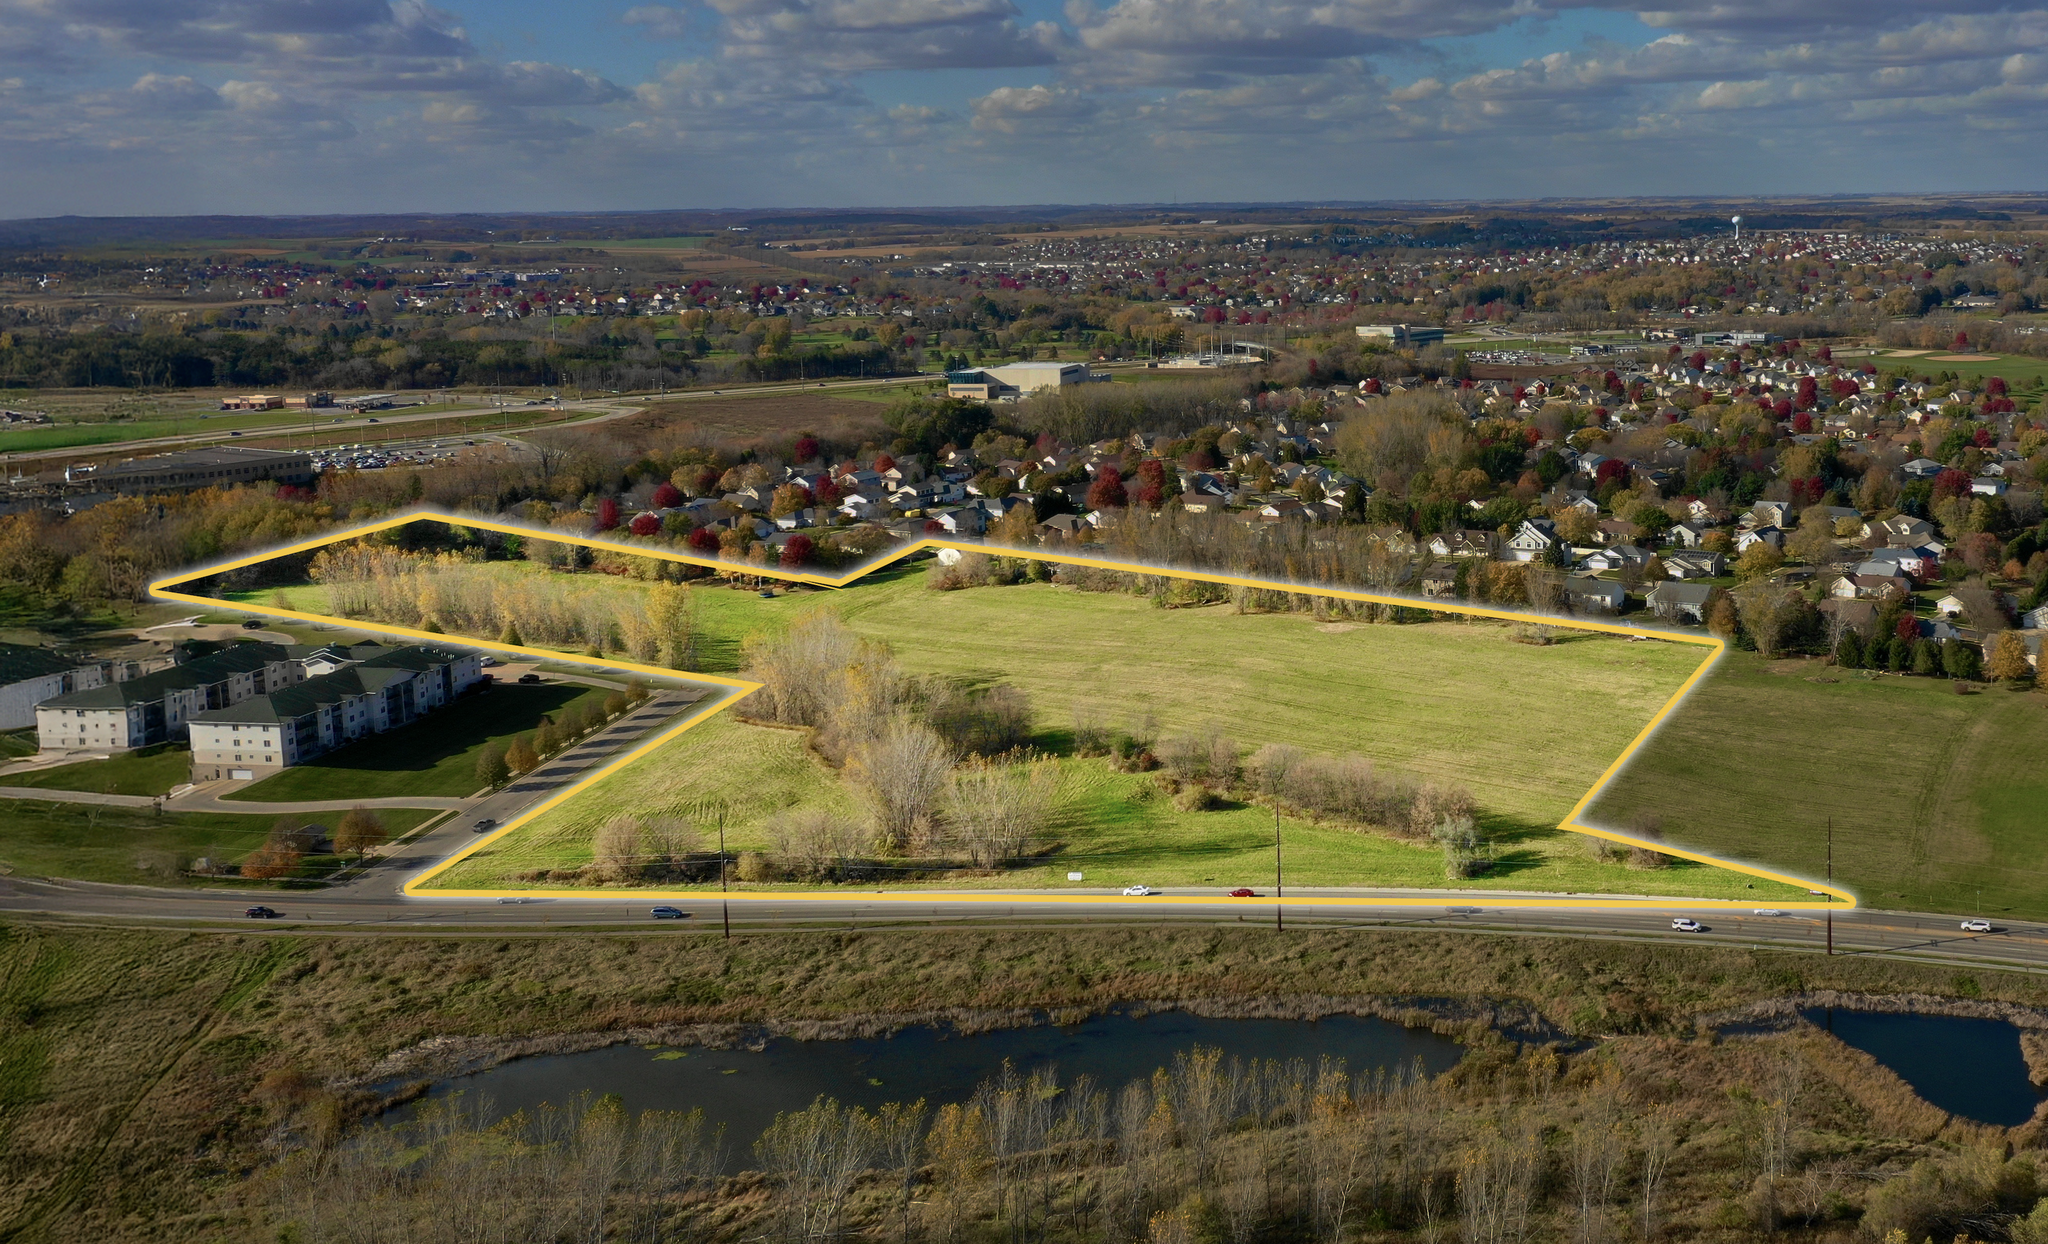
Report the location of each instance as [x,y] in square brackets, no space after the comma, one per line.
[253,624]
[262,913]
[529,678]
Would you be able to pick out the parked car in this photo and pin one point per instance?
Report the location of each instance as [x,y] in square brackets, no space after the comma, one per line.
[1976,926]
[668,913]
[483,824]
[1686,924]
[488,662]
[253,624]
[260,912]
[1138,891]
[1243,893]
[526,679]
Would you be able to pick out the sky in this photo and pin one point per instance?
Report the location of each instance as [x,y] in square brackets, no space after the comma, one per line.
[170,107]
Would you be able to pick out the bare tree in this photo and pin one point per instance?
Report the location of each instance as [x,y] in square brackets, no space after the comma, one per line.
[993,810]
[617,852]
[902,774]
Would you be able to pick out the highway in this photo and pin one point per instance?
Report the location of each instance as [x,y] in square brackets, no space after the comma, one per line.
[597,410]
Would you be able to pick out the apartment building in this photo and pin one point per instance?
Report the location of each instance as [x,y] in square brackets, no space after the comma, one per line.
[354,692]
[157,708]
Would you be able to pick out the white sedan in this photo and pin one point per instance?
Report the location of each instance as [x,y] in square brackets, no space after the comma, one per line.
[1138,891]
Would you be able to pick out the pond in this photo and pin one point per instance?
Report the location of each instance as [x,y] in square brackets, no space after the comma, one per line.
[1970,1067]
[745,1089]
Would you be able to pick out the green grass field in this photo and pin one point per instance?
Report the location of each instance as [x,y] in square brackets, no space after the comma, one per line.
[130,846]
[1526,728]
[150,772]
[434,757]
[1934,796]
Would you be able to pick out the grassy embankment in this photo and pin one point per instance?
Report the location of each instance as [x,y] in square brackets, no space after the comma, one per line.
[142,1073]
[131,846]
[1525,728]
[1935,797]
[152,771]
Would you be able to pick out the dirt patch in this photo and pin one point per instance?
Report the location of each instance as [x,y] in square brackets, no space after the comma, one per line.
[748,420]
[1964,358]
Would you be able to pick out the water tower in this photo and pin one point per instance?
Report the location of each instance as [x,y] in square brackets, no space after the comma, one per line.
[1737,222]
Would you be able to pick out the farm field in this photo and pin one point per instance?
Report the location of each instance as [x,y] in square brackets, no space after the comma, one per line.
[1937,798]
[130,846]
[434,757]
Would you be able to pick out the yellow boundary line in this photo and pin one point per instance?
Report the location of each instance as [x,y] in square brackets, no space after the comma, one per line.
[741,688]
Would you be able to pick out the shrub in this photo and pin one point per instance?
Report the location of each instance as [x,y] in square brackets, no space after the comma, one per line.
[988,723]
[754,866]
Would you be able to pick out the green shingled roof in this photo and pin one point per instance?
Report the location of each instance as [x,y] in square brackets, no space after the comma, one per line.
[21,662]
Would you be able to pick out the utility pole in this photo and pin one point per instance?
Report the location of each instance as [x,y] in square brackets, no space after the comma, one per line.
[1278,907]
[724,904]
[1831,885]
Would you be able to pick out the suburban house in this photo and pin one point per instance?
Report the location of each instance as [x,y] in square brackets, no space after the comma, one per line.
[31,675]
[1701,565]
[1618,557]
[1532,540]
[1587,594]
[1441,579]
[375,689]
[1773,536]
[1681,602]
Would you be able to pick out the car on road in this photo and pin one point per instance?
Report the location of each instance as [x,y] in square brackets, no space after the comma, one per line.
[669,913]
[1244,893]
[1686,924]
[1463,911]
[1767,911]
[527,679]
[261,912]
[1976,926]
[483,824]
[515,898]
[1138,891]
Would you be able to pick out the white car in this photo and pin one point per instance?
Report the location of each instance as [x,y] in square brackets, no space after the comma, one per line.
[1138,891]
[1976,926]
[1767,911]
[1685,924]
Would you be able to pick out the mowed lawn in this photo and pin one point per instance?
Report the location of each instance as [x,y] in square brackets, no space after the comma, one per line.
[435,756]
[1526,728]
[131,846]
[130,773]
[1934,796]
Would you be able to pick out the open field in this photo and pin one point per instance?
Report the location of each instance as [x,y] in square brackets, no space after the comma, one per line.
[1115,828]
[140,1071]
[743,418]
[1441,701]
[1936,797]
[435,756]
[152,771]
[129,846]
[2023,372]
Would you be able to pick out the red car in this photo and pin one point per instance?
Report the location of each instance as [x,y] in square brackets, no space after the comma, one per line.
[1244,893]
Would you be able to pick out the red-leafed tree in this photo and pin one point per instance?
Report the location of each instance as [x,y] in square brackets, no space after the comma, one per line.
[883,462]
[645,524]
[1907,629]
[1806,394]
[1612,471]
[1802,422]
[798,551]
[704,540]
[1107,492]
[607,513]
[1951,483]
[807,449]
[667,495]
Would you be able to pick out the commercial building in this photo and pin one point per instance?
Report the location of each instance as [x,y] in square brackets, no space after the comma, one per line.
[369,689]
[204,468]
[1401,334]
[158,707]
[29,676]
[1015,380]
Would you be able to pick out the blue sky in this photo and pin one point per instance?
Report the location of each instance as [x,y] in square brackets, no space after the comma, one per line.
[174,106]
